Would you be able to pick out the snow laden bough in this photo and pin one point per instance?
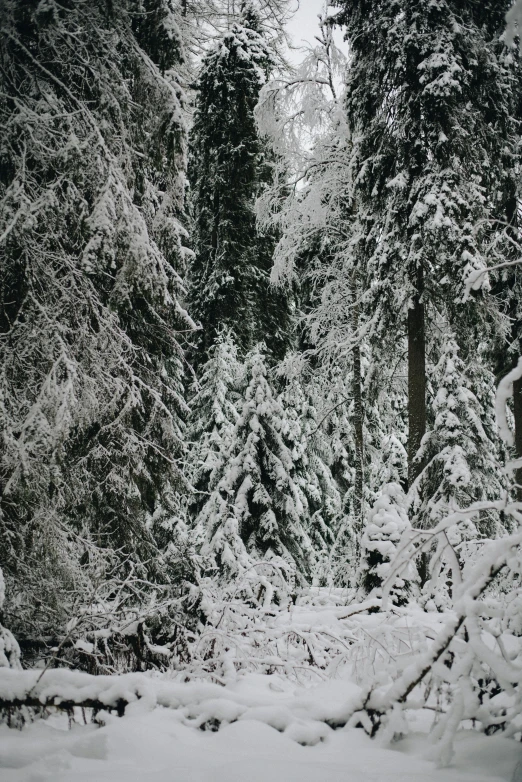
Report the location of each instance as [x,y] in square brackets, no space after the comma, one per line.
[473,667]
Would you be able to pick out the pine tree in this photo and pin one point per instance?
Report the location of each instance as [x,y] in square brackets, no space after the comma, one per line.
[312,456]
[256,484]
[91,198]
[460,452]
[229,167]
[387,523]
[213,415]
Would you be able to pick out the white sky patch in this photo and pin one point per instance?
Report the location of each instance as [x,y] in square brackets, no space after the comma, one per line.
[304,26]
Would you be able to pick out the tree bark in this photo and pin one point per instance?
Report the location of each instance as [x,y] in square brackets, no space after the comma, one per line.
[416,377]
[517,415]
[358,417]
[359,441]
[504,363]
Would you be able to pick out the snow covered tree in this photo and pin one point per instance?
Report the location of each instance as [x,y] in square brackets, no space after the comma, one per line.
[312,456]
[229,167]
[422,76]
[255,485]
[213,415]
[459,451]
[202,21]
[387,523]
[91,198]
[9,649]
[319,244]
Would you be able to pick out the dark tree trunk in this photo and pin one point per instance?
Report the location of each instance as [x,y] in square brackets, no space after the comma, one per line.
[359,442]
[517,414]
[416,377]
[516,333]
[358,417]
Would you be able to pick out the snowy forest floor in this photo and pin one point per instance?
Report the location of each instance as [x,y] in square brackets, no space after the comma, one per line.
[157,747]
[272,711]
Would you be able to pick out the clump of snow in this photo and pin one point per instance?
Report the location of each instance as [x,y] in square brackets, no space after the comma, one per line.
[9,649]
[504,393]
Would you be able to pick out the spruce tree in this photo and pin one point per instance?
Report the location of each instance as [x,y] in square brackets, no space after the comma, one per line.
[425,183]
[229,167]
[312,456]
[256,485]
[213,415]
[459,451]
[387,523]
[91,401]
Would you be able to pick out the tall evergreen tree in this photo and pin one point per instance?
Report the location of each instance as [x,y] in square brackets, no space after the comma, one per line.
[91,197]
[425,186]
[504,111]
[229,167]
[319,247]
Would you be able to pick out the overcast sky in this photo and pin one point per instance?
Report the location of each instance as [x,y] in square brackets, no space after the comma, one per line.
[303,26]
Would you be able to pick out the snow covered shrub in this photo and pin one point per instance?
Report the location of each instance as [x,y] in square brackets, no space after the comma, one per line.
[386,527]
[9,649]
[262,622]
[475,659]
[132,624]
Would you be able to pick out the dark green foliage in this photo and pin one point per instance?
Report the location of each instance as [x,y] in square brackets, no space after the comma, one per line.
[460,452]
[255,493]
[431,112]
[229,166]
[421,96]
[91,403]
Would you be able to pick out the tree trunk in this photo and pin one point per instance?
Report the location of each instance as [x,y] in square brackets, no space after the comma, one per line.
[517,414]
[359,442]
[516,334]
[357,420]
[416,377]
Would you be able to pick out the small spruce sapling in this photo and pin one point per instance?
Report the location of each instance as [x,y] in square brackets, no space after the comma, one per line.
[461,461]
[256,484]
[387,524]
[213,417]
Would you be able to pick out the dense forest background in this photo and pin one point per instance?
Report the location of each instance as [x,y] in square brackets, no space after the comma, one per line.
[260,329]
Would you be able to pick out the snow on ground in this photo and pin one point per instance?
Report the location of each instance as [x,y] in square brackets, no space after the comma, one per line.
[255,725]
[156,744]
